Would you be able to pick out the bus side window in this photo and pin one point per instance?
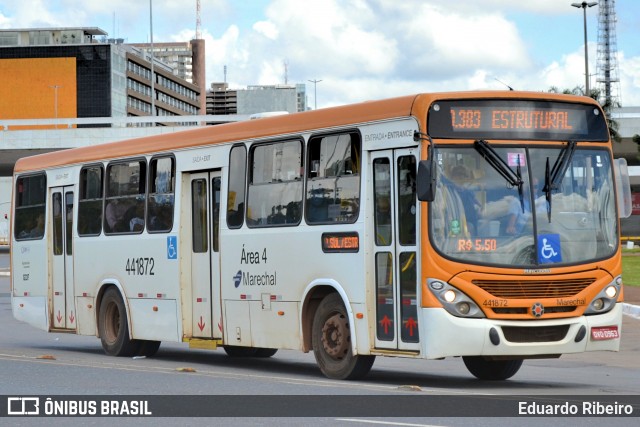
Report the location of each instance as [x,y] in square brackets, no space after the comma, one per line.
[30,207]
[125,198]
[90,201]
[275,184]
[161,194]
[237,176]
[333,179]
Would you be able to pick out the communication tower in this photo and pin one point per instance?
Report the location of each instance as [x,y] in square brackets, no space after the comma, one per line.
[607,65]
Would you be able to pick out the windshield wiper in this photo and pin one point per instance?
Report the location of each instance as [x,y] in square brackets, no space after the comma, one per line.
[513,178]
[553,177]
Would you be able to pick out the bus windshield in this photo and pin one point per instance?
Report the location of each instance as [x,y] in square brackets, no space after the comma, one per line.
[480,217]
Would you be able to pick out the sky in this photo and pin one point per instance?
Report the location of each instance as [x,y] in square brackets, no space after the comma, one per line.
[359,50]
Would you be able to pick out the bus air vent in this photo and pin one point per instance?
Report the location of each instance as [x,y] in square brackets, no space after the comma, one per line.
[520,334]
[534,288]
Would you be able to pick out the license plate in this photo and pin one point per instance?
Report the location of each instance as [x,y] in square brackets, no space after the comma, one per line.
[605,333]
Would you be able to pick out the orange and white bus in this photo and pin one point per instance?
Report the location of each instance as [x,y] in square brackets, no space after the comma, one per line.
[476,224]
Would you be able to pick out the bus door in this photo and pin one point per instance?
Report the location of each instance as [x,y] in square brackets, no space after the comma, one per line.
[205,255]
[395,249]
[63,315]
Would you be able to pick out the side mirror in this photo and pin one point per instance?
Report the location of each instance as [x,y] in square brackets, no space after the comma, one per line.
[426,185]
[623,187]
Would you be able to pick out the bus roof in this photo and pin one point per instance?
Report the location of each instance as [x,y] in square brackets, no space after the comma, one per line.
[253,129]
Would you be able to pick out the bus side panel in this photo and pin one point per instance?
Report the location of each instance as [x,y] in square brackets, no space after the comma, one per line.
[155,319]
[31,310]
[269,269]
[278,326]
[29,276]
[86,313]
[147,275]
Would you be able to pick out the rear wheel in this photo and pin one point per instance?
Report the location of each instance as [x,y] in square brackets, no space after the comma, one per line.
[493,370]
[113,326]
[148,348]
[331,341]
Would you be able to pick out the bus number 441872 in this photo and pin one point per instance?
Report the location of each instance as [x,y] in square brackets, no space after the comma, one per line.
[140,266]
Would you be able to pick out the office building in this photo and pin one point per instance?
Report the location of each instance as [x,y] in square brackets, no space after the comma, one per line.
[77,73]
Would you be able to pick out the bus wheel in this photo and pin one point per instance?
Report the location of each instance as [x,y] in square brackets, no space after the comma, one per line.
[265,352]
[493,370]
[113,327]
[148,348]
[331,341]
[239,351]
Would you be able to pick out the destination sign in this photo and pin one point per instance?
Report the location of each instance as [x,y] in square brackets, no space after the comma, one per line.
[340,242]
[516,119]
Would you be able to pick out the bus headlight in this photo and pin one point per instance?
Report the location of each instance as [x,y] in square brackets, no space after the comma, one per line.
[606,299]
[449,296]
[453,300]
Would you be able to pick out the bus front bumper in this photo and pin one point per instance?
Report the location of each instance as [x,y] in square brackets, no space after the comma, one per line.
[446,335]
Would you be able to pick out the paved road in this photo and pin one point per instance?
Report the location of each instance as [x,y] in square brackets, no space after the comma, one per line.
[36,363]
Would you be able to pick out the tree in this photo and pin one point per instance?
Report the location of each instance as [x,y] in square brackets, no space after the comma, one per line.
[606,104]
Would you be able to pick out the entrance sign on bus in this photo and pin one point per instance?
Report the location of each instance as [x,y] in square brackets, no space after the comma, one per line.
[312,232]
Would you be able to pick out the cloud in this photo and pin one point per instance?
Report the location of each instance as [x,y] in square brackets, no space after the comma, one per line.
[360,49]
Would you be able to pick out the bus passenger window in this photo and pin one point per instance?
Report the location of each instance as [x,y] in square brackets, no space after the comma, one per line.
[90,201]
[161,194]
[30,207]
[275,186]
[237,175]
[126,189]
[333,179]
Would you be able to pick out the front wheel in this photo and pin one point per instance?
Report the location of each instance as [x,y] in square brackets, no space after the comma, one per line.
[331,341]
[492,370]
[113,326]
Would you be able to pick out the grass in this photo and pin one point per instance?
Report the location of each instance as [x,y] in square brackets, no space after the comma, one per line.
[631,266]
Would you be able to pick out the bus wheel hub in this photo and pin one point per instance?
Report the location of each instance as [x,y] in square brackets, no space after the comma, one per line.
[335,336]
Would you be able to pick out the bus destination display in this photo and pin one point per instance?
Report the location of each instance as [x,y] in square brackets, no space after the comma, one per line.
[515,119]
[340,242]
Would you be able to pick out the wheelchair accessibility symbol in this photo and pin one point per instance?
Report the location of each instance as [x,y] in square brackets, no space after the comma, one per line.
[549,248]
[172,247]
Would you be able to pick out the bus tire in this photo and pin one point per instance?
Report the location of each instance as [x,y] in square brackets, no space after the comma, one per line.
[265,352]
[113,326]
[148,348]
[331,342]
[492,370]
[240,351]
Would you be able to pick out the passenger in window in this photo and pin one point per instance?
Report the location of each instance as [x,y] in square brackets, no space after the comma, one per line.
[458,181]
[114,213]
[519,215]
[33,228]
[136,223]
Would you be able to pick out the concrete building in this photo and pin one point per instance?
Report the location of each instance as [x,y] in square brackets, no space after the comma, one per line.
[69,73]
[256,99]
[186,60]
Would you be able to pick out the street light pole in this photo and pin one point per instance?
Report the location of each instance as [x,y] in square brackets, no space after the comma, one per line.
[584,5]
[315,93]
